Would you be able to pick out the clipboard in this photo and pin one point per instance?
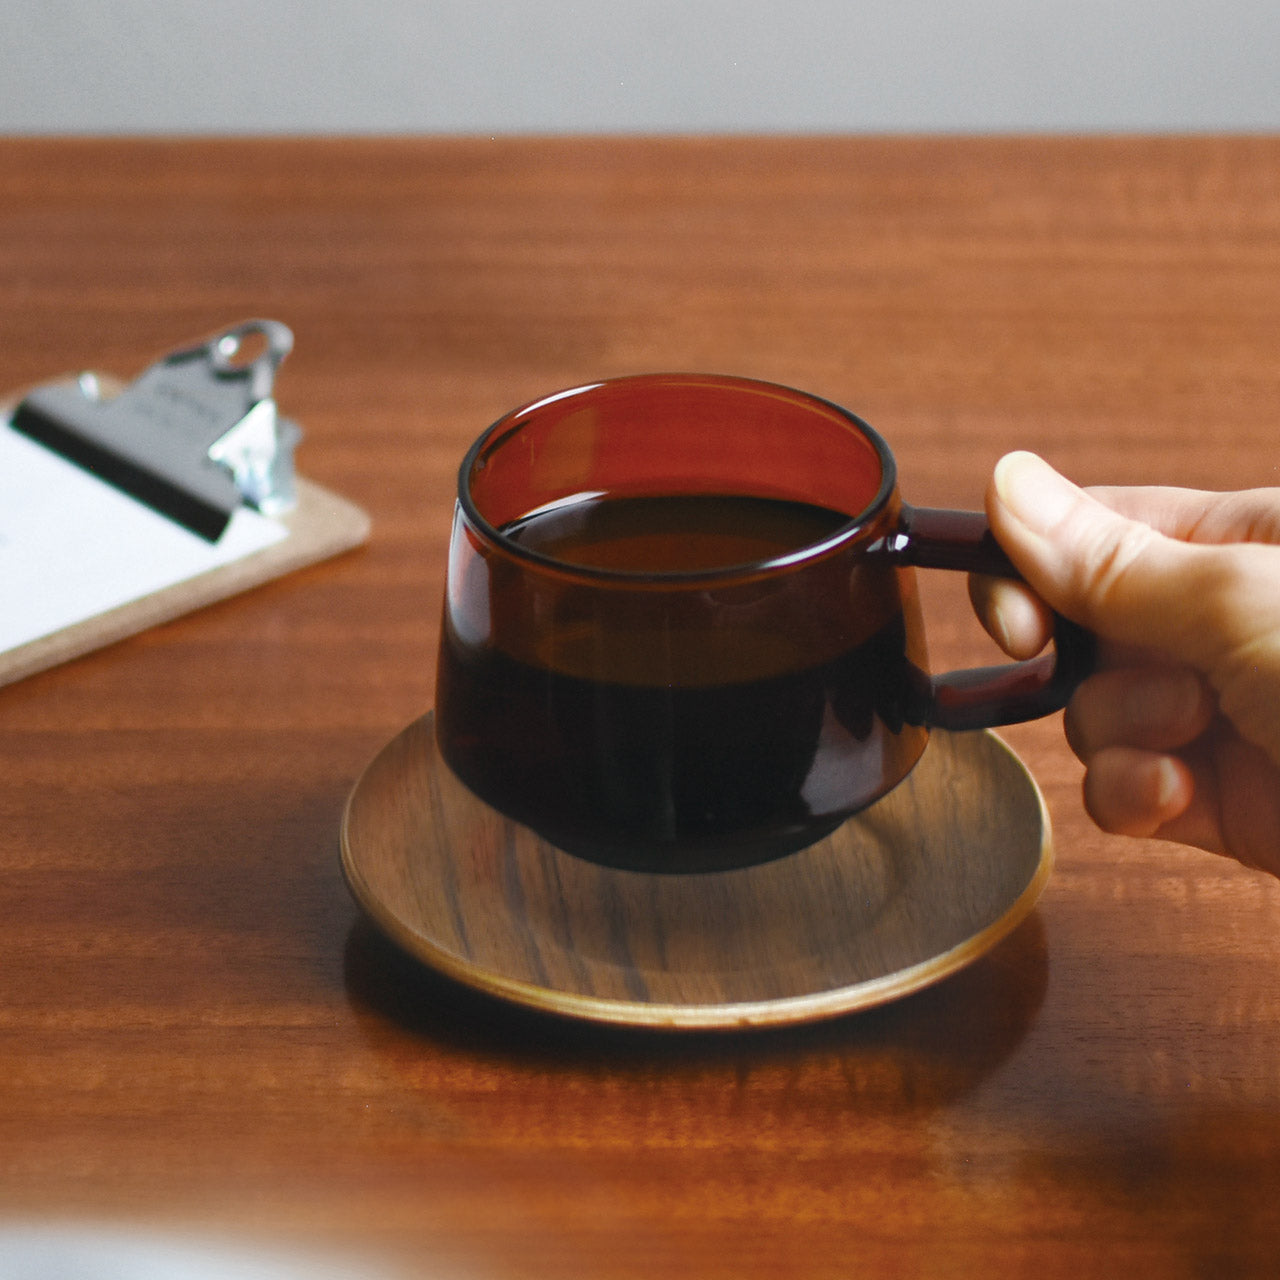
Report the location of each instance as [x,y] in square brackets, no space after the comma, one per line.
[123,507]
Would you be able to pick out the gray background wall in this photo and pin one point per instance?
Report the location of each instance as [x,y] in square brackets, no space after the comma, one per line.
[501,66]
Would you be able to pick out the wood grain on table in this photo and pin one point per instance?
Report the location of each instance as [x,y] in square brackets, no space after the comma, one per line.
[197,1029]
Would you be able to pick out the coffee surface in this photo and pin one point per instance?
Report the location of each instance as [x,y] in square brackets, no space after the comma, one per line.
[680,533]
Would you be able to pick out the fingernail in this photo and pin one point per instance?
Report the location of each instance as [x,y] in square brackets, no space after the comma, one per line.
[1171,793]
[1014,621]
[998,621]
[1035,494]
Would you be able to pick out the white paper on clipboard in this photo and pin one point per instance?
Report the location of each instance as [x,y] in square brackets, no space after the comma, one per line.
[73,547]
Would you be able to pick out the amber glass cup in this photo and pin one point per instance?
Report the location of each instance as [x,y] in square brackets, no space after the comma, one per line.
[681,629]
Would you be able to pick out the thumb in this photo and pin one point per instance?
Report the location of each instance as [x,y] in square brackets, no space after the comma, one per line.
[1122,578]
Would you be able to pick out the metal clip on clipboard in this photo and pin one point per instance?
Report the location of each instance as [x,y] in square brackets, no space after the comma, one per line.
[195,436]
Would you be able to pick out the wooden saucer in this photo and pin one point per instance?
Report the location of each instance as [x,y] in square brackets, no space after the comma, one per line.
[904,893]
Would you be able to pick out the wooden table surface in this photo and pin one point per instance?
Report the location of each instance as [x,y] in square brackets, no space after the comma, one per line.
[197,1031]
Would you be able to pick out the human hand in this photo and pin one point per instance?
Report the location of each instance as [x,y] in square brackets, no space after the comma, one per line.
[1179,728]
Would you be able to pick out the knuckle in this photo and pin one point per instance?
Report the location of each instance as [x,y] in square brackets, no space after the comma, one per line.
[1235,608]
[1108,558]
[1248,687]
[1235,611]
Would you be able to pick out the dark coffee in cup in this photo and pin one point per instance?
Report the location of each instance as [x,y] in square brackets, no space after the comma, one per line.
[681,629]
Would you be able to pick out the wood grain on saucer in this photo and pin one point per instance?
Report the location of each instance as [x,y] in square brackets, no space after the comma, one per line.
[904,893]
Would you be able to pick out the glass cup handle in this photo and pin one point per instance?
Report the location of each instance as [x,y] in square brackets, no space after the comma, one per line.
[984,697]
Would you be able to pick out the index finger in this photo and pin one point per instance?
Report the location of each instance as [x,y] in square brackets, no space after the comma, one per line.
[1198,515]
[1022,624]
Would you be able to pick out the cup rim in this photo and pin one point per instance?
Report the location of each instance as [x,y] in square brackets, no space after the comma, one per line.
[511,421]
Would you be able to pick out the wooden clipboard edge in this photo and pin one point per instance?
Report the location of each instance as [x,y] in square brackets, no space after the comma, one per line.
[321,526]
